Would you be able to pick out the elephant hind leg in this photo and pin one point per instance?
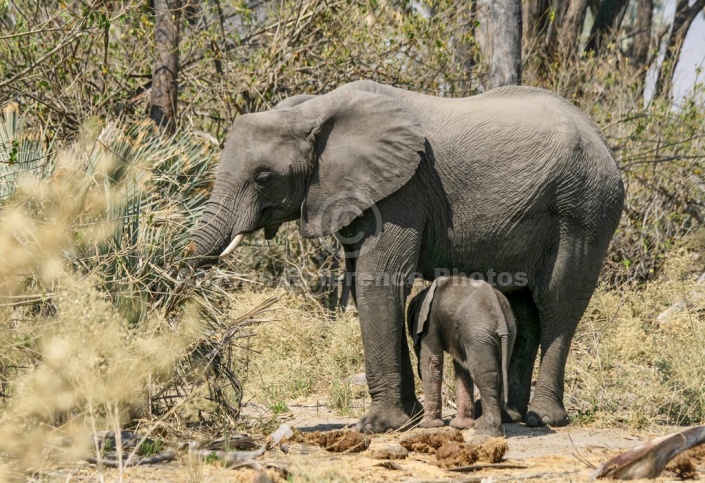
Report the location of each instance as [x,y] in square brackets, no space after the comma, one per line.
[561,304]
[465,418]
[523,359]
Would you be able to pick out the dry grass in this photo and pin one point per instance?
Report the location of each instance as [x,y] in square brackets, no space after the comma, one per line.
[628,367]
[71,363]
[306,351]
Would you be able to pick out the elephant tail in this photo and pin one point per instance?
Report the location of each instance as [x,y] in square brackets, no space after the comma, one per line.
[504,342]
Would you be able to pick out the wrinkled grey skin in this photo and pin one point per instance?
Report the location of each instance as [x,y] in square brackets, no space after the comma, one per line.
[474,323]
[513,180]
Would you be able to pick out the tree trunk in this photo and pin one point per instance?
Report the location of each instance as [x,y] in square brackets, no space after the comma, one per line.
[535,20]
[556,17]
[641,41]
[466,46]
[505,39]
[608,19]
[571,28]
[165,69]
[682,21]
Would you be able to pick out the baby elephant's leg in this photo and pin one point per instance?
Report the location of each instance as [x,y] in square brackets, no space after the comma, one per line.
[431,366]
[487,377]
[463,398]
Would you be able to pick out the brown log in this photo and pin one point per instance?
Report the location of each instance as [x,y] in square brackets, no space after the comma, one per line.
[648,459]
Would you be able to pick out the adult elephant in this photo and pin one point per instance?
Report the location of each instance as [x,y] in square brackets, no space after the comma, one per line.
[515,181]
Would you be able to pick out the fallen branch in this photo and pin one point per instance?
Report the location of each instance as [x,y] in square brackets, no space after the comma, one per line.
[648,459]
[168,455]
[230,458]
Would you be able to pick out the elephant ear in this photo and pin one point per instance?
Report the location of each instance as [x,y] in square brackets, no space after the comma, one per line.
[293,101]
[425,308]
[366,146]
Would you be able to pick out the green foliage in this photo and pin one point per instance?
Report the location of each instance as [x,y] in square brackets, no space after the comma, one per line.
[280,407]
[156,191]
[150,447]
[211,459]
[163,199]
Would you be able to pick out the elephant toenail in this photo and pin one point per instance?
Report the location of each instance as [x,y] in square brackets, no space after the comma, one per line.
[546,420]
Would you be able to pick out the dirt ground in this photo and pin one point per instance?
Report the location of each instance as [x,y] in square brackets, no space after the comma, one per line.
[561,454]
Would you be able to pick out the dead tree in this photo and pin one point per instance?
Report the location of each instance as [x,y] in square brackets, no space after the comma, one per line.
[165,70]
[572,27]
[682,20]
[642,33]
[608,20]
[505,39]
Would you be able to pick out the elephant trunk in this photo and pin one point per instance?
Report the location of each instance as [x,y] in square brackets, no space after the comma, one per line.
[216,234]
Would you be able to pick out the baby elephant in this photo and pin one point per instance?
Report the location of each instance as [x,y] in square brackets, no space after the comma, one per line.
[473,322]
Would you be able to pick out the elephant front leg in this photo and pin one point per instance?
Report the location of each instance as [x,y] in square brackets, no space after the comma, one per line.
[465,419]
[390,377]
[431,364]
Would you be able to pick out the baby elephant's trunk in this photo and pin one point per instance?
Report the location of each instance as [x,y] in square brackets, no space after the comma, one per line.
[504,341]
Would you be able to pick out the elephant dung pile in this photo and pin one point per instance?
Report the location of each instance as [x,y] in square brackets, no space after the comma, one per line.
[455,455]
[428,440]
[450,448]
[339,441]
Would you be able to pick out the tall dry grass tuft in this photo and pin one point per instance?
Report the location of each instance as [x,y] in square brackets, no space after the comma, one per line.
[305,352]
[69,360]
[638,358]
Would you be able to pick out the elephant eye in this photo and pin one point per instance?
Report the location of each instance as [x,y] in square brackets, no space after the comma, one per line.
[263,177]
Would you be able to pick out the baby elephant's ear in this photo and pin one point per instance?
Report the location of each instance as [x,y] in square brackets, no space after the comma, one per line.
[424,312]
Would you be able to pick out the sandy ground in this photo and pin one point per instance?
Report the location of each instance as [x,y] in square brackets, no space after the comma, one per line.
[563,454]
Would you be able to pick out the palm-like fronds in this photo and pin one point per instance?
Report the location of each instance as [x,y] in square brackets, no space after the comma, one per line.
[20,151]
[163,186]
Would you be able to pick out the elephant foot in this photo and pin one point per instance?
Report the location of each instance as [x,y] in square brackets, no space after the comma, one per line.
[380,419]
[462,422]
[432,423]
[512,415]
[546,413]
[488,428]
[509,415]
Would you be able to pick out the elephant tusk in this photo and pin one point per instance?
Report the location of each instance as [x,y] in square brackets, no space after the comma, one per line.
[233,245]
